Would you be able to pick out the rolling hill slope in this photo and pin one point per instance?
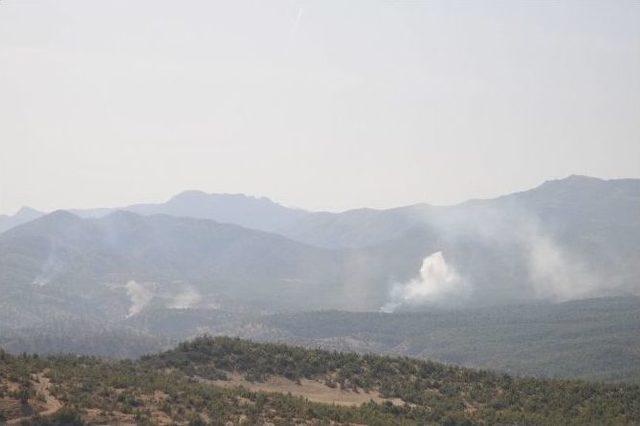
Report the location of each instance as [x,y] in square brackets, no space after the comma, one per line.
[222,379]
[114,266]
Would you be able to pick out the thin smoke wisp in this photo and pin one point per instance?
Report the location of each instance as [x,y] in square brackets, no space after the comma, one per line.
[185,300]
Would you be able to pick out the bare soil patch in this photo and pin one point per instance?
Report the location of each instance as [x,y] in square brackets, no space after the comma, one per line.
[313,390]
[96,416]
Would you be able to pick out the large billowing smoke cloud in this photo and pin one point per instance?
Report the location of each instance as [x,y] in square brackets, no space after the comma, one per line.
[140,295]
[437,282]
[498,253]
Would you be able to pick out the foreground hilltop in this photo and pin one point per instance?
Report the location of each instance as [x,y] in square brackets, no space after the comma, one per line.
[218,380]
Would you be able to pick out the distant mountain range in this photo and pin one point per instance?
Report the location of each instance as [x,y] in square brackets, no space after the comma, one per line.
[566,239]
[557,203]
[250,212]
[148,274]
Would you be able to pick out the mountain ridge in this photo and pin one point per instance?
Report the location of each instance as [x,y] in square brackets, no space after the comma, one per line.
[26,213]
[532,245]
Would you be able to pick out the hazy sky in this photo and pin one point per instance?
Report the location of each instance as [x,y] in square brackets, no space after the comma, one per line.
[317,104]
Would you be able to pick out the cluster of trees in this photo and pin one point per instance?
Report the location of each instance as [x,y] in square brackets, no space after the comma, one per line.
[169,385]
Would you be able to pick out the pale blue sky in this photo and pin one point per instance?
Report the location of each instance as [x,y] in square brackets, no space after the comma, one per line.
[318,104]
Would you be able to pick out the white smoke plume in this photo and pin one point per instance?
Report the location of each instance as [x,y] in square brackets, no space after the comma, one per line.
[186,300]
[556,274]
[50,269]
[140,295]
[554,271]
[437,281]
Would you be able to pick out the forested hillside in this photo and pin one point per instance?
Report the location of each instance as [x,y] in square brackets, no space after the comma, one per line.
[597,339]
[216,380]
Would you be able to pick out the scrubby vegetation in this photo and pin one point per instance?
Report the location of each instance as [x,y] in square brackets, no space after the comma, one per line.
[181,386]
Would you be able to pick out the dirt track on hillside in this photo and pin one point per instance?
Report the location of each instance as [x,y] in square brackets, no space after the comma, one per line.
[51,404]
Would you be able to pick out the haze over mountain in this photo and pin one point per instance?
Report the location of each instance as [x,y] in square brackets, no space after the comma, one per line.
[581,195]
[24,215]
[119,263]
[319,212]
[250,212]
[572,238]
[96,283]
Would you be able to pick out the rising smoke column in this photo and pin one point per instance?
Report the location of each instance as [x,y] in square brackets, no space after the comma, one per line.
[140,295]
[53,266]
[436,282]
[556,274]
